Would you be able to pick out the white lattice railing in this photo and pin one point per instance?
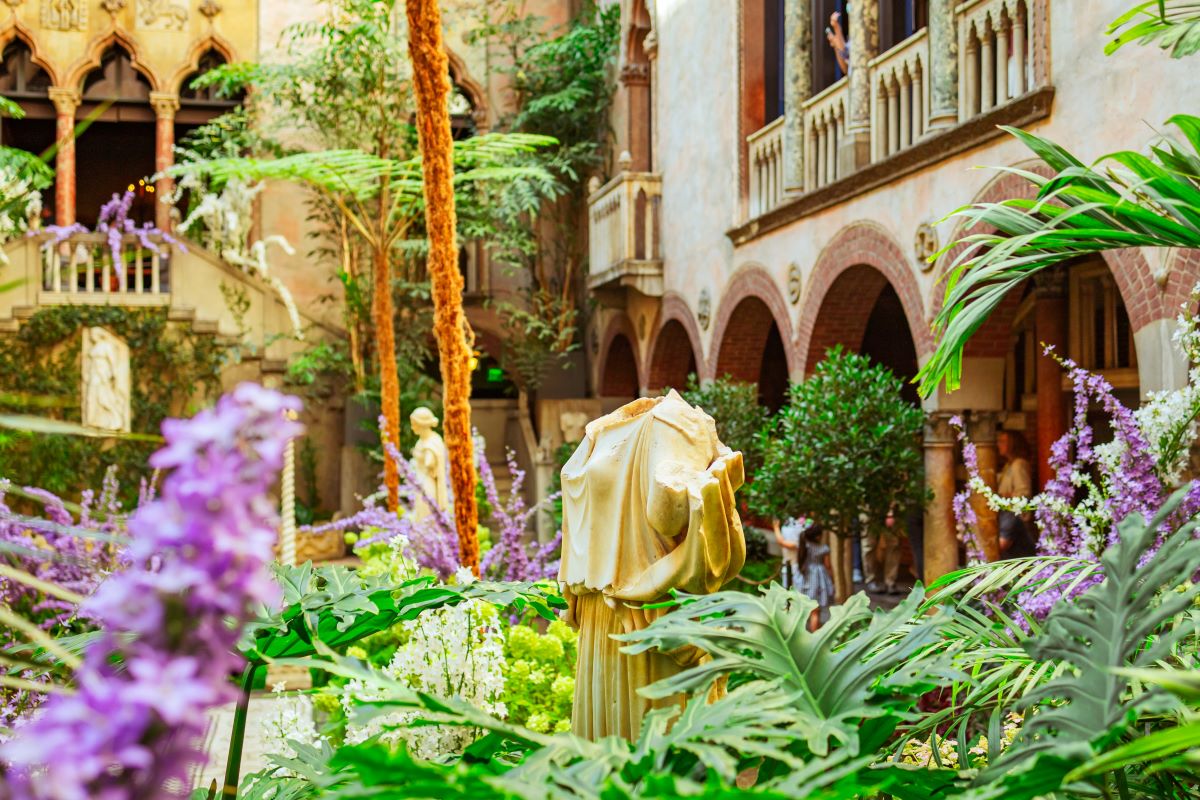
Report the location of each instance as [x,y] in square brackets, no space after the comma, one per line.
[995,53]
[900,93]
[824,127]
[623,221]
[765,148]
[81,270]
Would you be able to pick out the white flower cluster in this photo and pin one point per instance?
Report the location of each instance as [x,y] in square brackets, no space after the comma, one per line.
[290,720]
[221,222]
[456,651]
[19,203]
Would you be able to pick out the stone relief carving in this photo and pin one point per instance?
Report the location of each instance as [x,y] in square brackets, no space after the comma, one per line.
[112,6]
[572,425]
[925,244]
[161,15]
[704,309]
[210,8]
[795,283]
[107,384]
[64,15]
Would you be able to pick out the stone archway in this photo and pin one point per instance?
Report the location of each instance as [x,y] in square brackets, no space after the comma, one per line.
[674,353]
[752,349]
[619,375]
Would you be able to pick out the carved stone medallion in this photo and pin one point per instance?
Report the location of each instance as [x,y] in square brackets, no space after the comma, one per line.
[64,15]
[210,8]
[704,309]
[161,15]
[925,244]
[795,283]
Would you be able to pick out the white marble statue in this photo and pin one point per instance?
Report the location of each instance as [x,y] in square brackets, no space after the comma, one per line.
[430,461]
[107,385]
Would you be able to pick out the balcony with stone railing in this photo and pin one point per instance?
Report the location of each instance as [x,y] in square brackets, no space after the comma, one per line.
[917,115]
[623,234]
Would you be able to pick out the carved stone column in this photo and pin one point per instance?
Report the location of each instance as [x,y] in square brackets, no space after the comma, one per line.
[65,102]
[165,106]
[855,148]
[1050,328]
[981,430]
[943,64]
[941,541]
[635,77]
[797,83]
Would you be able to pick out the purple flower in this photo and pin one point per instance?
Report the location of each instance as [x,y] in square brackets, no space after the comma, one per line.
[198,570]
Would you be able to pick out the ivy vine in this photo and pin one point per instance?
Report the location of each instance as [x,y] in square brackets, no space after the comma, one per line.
[175,370]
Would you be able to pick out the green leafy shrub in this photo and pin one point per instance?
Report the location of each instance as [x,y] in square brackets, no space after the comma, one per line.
[539,679]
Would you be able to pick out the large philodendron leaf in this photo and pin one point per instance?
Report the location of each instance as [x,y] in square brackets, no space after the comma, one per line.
[1120,623]
[860,664]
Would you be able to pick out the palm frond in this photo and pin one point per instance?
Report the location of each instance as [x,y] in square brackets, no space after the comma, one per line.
[1125,199]
[1173,25]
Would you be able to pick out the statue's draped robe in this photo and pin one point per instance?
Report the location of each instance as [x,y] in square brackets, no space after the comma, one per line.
[648,506]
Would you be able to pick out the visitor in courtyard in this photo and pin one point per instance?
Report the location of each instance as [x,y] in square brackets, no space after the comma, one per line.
[1015,481]
[788,536]
[816,577]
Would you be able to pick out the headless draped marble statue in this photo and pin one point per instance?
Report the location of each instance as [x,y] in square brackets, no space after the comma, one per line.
[648,506]
[430,458]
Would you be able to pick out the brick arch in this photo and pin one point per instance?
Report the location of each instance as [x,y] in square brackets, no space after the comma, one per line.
[676,340]
[749,283]
[1183,273]
[16,30]
[1145,301]
[618,366]
[95,52]
[846,281]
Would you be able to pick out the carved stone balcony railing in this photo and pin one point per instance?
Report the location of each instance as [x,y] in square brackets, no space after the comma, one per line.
[80,271]
[765,147]
[901,94]
[825,117]
[623,234]
[995,54]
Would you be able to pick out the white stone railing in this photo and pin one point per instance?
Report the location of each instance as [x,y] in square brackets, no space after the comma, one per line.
[900,92]
[765,148]
[623,221]
[995,53]
[81,270]
[824,127]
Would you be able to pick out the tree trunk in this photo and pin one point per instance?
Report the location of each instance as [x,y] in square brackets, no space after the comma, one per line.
[384,318]
[431,85]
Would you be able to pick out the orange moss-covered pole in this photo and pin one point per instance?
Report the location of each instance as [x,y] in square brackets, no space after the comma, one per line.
[431,84]
[383,313]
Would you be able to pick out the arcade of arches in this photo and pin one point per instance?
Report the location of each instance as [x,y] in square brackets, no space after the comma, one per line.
[1009,384]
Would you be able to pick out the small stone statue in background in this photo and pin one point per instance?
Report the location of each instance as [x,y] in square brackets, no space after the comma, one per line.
[107,385]
[648,506]
[572,423]
[430,461]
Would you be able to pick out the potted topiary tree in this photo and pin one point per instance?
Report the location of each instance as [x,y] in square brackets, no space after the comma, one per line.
[844,451]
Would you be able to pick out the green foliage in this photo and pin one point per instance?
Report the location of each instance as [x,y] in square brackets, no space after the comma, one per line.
[173,368]
[846,444]
[1125,199]
[539,678]
[1173,25]
[742,423]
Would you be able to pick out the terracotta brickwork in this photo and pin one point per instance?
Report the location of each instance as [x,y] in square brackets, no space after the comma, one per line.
[749,306]
[673,356]
[618,371]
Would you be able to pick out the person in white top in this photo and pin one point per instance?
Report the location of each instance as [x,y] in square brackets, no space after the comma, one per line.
[788,536]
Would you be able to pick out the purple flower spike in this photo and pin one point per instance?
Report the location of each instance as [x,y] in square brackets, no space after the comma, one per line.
[199,558]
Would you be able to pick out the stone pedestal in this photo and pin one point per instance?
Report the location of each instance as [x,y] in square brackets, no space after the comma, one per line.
[941,541]
[981,430]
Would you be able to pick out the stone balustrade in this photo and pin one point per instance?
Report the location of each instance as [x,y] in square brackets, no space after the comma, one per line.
[825,117]
[901,95]
[80,270]
[766,167]
[623,233]
[995,53]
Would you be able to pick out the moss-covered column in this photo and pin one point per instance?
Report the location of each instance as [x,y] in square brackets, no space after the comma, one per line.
[943,65]
[855,147]
[797,77]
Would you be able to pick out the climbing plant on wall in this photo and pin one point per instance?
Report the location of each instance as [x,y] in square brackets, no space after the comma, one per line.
[174,370]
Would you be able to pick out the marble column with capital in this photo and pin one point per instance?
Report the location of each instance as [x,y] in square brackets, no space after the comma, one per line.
[797,86]
[982,427]
[65,101]
[854,150]
[1050,328]
[165,105]
[635,77]
[941,539]
[943,65]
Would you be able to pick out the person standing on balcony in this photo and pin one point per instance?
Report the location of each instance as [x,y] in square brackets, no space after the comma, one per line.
[837,40]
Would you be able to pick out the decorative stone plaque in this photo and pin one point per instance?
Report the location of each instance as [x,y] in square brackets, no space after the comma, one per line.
[64,15]
[107,385]
[161,15]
